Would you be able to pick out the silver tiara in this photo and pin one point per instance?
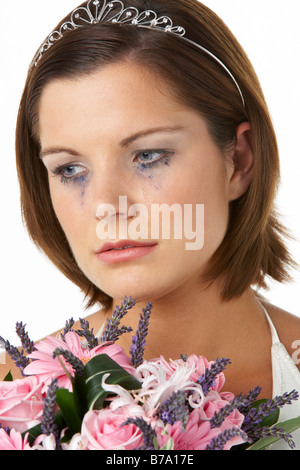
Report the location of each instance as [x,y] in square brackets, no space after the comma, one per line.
[114,11]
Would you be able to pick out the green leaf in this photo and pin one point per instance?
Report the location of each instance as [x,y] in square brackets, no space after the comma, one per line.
[94,372]
[289,426]
[8,377]
[169,445]
[155,443]
[33,433]
[66,403]
[66,437]
[80,395]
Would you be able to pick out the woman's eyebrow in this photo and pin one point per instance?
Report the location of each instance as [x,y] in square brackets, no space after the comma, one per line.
[54,150]
[124,143]
[156,130]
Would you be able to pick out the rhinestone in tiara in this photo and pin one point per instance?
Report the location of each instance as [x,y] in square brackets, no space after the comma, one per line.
[114,11]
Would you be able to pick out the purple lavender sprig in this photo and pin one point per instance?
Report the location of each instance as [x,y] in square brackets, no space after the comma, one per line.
[207,380]
[147,431]
[254,416]
[273,431]
[175,409]
[26,342]
[112,330]
[240,401]
[184,357]
[74,361]
[250,398]
[88,334]
[286,398]
[137,348]
[48,425]
[20,360]
[219,442]
[68,327]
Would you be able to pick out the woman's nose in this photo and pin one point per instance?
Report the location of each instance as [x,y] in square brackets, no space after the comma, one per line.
[111,190]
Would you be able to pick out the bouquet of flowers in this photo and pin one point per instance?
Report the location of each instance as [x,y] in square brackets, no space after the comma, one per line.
[80,392]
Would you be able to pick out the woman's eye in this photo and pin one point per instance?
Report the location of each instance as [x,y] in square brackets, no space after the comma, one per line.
[70,172]
[148,158]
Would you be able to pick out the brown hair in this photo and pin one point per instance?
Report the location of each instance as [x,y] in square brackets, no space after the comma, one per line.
[252,248]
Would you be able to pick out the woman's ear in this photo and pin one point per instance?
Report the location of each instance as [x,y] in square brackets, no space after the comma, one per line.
[242,162]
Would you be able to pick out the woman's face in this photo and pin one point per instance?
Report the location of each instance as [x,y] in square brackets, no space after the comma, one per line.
[117,138]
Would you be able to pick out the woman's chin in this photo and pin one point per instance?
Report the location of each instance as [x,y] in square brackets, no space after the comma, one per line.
[139,291]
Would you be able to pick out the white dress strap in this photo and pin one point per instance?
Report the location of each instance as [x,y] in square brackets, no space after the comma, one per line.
[100,332]
[286,377]
[275,337]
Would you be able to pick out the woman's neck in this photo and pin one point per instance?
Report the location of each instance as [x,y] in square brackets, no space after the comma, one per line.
[201,323]
[197,323]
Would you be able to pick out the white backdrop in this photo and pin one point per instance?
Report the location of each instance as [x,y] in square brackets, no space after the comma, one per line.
[32,290]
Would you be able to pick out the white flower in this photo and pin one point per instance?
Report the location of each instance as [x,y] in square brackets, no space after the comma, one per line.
[123,396]
[157,385]
[76,443]
[47,443]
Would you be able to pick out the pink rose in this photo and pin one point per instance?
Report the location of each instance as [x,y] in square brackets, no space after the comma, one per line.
[13,441]
[213,403]
[21,403]
[200,364]
[46,367]
[102,430]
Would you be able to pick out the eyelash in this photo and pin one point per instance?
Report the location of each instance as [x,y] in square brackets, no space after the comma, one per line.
[59,171]
[163,159]
[80,177]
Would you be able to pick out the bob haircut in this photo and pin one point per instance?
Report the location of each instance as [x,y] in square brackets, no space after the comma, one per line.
[253,246]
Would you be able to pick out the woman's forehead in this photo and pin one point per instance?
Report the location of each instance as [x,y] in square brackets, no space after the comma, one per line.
[118,95]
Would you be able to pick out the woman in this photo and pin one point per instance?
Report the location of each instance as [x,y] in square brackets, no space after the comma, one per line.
[151,103]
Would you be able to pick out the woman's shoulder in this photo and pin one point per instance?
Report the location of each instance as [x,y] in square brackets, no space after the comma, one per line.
[287,326]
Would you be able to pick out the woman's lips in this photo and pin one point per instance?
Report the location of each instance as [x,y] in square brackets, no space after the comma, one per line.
[124,250]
